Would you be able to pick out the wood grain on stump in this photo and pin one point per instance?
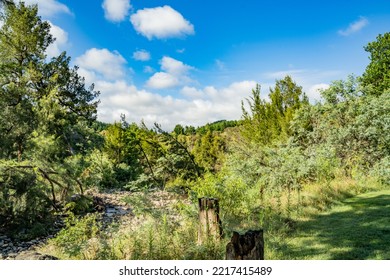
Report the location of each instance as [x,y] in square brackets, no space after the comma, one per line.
[248,246]
[209,222]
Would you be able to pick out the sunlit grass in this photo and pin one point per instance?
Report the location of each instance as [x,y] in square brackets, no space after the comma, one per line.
[359,228]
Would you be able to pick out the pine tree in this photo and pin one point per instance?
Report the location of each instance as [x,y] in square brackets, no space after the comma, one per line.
[45,113]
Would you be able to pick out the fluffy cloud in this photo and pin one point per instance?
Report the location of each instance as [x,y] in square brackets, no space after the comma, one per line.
[314,91]
[196,106]
[161,23]
[48,8]
[141,55]
[175,74]
[162,80]
[354,27]
[109,65]
[116,10]
[60,43]
[210,105]
[174,67]
[192,92]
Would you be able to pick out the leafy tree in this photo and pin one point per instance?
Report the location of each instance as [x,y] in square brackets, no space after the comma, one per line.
[352,126]
[177,164]
[179,129]
[45,114]
[208,151]
[270,121]
[376,78]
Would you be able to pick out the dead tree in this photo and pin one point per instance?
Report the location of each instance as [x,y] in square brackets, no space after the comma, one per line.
[210,225]
[248,246]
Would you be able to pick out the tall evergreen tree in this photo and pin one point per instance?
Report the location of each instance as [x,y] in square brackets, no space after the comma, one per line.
[270,120]
[45,110]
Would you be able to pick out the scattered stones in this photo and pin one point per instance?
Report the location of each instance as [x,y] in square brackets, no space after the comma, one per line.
[32,255]
[113,207]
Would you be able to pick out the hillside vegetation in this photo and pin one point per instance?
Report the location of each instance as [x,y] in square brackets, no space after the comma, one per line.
[279,167]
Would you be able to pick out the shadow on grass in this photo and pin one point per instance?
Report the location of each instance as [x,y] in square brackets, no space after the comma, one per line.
[359,229]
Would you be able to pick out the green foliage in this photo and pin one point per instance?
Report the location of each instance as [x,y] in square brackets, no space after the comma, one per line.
[381,171]
[376,78]
[287,159]
[353,127]
[177,165]
[73,239]
[270,121]
[209,151]
[216,126]
[23,197]
[79,204]
[45,111]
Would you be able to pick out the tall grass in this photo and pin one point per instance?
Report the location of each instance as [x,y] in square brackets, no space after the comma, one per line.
[170,232]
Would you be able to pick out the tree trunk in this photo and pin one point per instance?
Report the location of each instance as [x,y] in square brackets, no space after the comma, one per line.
[210,225]
[249,246]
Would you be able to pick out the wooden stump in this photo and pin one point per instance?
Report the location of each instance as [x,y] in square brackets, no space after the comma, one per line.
[249,246]
[209,223]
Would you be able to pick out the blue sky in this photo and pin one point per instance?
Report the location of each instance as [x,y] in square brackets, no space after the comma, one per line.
[192,62]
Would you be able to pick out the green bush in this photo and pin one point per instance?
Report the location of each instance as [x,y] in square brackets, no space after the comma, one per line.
[24,200]
[73,239]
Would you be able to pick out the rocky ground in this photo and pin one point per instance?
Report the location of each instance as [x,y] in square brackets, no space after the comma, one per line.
[114,207]
[10,250]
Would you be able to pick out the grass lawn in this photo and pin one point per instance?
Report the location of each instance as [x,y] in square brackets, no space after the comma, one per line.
[359,229]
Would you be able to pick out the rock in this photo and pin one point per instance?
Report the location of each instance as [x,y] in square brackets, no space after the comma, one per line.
[32,255]
[12,255]
[111,210]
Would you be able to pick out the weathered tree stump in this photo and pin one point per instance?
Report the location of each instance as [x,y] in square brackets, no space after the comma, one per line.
[210,225]
[249,246]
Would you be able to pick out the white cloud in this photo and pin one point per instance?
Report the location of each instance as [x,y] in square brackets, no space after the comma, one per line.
[174,67]
[196,106]
[116,10]
[110,65]
[49,8]
[210,105]
[174,73]
[354,27]
[192,92]
[161,23]
[315,91]
[60,43]
[141,55]
[161,80]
